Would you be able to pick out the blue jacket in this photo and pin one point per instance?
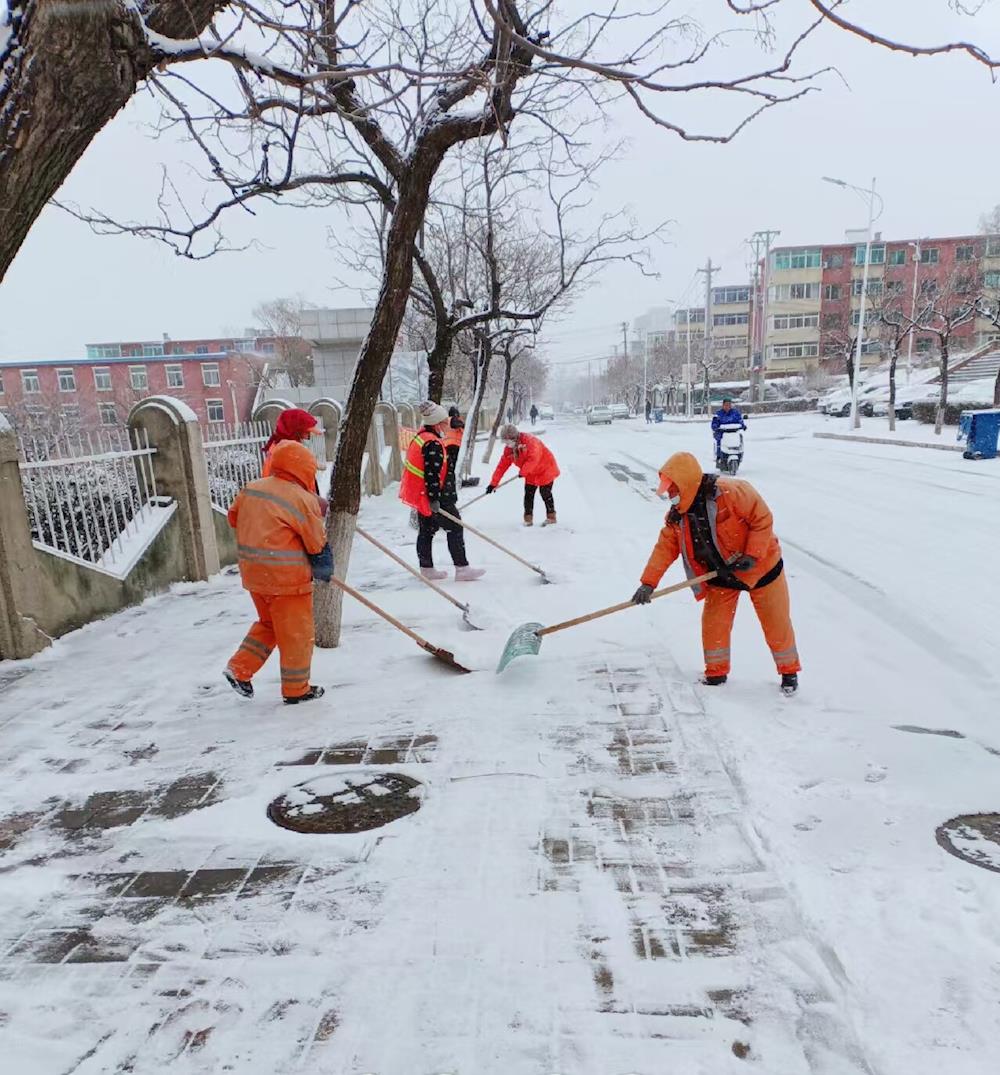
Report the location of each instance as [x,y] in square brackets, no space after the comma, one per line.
[721,418]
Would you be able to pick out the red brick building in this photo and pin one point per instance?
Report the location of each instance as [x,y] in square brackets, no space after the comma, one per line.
[217,378]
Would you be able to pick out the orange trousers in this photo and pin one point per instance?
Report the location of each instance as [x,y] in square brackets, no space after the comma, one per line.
[285,621]
[773,610]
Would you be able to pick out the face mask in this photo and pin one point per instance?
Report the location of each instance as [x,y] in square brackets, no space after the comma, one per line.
[673,501]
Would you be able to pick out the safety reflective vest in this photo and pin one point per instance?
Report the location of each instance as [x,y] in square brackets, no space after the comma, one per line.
[413,489]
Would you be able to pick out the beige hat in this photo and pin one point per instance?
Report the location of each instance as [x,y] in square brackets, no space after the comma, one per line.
[509,434]
[432,414]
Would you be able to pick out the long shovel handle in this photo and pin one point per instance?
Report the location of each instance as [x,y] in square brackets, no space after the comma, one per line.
[412,570]
[495,544]
[381,612]
[469,503]
[686,585]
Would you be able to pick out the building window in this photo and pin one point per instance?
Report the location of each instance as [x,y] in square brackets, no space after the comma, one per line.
[730,319]
[1,382]
[874,288]
[175,377]
[965,253]
[870,316]
[216,411]
[30,382]
[897,257]
[795,350]
[832,292]
[928,287]
[798,259]
[993,248]
[201,349]
[787,321]
[267,348]
[894,287]
[990,280]
[929,255]
[793,292]
[108,414]
[104,350]
[226,346]
[70,413]
[152,350]
[67,380]
[210,374]
[924,344]
[834,261]
[721,296]
[878,254]
[137,377]
[102,378]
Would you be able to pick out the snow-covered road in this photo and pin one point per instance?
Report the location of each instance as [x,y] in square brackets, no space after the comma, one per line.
[612,871]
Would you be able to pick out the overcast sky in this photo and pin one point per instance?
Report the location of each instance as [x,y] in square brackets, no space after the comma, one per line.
[924,127]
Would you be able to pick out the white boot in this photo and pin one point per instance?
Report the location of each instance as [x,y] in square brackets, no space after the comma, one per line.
[469,574]
[433,574]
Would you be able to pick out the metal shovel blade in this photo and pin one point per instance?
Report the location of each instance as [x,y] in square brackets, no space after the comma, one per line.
[523,641]
[446,656]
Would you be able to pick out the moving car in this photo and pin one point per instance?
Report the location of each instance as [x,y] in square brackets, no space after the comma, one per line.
[545,412]
[619,410]
[600,414]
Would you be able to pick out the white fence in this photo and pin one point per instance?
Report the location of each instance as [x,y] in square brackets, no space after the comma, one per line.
[234,455]
[88,494]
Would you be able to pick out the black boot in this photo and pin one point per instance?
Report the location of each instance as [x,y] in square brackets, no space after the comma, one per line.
[313,692]
[714,681]
[789,683]
[243,687]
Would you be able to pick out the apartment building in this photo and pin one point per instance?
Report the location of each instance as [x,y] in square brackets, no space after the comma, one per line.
[217,378]
[814,295]
[730,315]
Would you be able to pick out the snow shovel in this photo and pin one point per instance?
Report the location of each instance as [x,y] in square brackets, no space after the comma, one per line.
[481,495]
[416,574]
[527,639]
[496,545]
[435,651]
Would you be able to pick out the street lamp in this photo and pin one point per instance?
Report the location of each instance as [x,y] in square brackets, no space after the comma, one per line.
[913,309]
[869,196]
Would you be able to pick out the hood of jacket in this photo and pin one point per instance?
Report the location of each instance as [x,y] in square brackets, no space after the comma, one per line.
[294,462]
[685,472]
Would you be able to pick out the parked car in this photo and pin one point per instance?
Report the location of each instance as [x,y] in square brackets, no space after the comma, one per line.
[600,414]
[545,412]
[619,410]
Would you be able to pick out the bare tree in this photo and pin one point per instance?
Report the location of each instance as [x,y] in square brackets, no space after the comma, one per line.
[894,329]
[282,319]
[988,308]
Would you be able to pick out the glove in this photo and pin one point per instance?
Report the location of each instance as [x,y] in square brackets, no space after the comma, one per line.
[743,563]
[643,595]
[435,507]
[322,564]
[490,489]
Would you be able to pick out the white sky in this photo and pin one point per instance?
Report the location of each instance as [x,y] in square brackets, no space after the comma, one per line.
[924,127]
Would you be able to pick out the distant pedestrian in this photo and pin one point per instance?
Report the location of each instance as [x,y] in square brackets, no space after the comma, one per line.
[429,487]
[510,414]
[533,413]
[282,549]
[649,411]
[537,466]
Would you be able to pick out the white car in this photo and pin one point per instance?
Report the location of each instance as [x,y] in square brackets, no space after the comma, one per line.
[600,414]
[619,410]
[545,412]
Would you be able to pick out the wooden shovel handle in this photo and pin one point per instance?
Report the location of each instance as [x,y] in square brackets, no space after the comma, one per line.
[412,570]
[468,503]
[685,585]
[490,541]
[381,612]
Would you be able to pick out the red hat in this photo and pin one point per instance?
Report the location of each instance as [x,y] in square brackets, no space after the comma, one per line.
[293,424]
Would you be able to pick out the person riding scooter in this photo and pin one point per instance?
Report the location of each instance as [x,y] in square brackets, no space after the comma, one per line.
[727,416]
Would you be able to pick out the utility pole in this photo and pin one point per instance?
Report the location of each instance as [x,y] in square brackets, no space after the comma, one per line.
[710,270]
[913,310]
[761,241]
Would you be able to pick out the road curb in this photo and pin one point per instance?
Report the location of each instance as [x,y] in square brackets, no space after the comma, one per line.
[894,442]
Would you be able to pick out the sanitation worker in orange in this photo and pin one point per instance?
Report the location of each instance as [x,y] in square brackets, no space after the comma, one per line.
[297,425]
[428,486]
[722,524]
[282,548]
[537,466]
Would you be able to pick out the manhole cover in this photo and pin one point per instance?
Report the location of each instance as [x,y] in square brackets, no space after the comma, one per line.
[351,802]
[974,838]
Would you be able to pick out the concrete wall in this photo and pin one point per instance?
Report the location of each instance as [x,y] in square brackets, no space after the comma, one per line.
[225,538]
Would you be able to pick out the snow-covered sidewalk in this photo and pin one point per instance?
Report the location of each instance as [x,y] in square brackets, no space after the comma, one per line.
[611,871]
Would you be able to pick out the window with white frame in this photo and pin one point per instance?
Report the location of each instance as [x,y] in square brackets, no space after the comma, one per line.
[152,350]
[108,413]
[990,280]
[210,374]
[832,292]
[834,261]
[201,349]
[965,253]
[138,378]
[795,350]
[175,376]
[798,259]
[29,382]
[67,380]
[787,321]
[929,255]
[870,316]
[897,257]
[267,348]
[877,258]
[730,319]
[216,411]
[729,296]
[793,292]
[104,350]
[874,288]
[993,248]
[70,413]
[102,378]
[924,343]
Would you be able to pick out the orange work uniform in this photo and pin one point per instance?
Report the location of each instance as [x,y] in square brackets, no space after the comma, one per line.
[717,520]
[277,522]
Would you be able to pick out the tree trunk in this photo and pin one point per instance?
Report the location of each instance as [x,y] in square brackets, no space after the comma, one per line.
[508,365]
[996,390]
[849,363]
[943,397]
[65,72]
[472,418]
[437,364]
[376,351]
[894,358]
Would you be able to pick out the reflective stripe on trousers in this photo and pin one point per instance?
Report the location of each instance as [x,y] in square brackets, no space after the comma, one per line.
[773,611]
[285,621]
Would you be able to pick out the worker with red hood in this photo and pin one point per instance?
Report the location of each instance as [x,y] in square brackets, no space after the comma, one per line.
[722,524]
[292,425]
[282,550]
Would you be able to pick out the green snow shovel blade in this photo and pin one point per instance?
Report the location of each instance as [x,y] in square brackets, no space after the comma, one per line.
[523,641]
[527,639]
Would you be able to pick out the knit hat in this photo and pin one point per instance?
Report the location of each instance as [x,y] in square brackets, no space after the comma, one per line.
[432,414]
[509,434]
[293,424]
